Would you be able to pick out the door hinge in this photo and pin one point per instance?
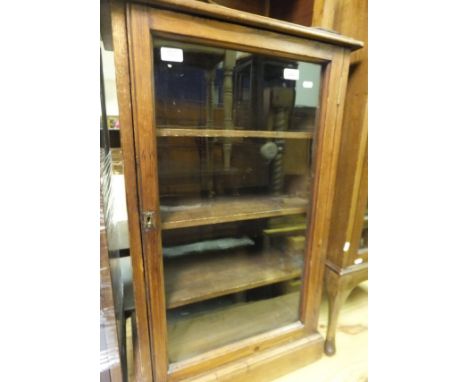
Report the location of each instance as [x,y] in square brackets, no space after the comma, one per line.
[148,220]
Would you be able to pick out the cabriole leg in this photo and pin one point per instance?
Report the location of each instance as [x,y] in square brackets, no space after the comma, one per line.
[338,291]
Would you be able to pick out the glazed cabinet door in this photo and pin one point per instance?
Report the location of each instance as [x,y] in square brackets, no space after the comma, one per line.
[234,153]
[235,136]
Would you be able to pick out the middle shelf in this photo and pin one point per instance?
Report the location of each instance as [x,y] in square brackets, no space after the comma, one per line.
[229,209]
[200,277]
[196,131]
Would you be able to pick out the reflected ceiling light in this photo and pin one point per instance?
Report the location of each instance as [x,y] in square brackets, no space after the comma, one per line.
[307,84]
[290,74]
[172,54]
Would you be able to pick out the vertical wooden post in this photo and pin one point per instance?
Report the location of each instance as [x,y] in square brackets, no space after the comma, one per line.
[323,14]
[229,62]
[209,77]
[208,166]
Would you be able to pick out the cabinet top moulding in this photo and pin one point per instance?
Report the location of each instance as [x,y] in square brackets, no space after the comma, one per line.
[244,18]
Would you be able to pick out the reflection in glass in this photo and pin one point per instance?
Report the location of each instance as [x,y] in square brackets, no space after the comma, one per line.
[225,89]
[235,138]
[192,169]
[230,281]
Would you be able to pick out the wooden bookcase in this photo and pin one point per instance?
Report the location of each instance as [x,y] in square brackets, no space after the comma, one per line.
[229,199]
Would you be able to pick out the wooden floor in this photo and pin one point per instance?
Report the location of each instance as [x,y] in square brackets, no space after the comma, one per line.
[349,364]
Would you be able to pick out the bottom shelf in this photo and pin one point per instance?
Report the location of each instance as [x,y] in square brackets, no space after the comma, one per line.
[193,333]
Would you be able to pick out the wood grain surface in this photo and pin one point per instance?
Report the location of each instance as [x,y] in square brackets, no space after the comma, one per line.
[200,277]
[245,18]
[258,357]
[200,131]
[122,71]
[350,363]
[224,210]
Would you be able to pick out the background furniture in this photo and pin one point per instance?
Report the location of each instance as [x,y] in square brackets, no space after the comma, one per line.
[347,261]
[111,367]
[228,211]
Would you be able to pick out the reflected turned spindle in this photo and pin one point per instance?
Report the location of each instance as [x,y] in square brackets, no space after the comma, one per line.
[229,62]
[209,184]
[278,175]
[282,99]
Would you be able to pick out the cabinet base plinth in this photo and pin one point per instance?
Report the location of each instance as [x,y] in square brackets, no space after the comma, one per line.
[269,364]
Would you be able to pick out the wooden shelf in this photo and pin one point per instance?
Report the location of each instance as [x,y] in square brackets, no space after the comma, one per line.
[198,333]
[170,131]
[229,209]
[195,278]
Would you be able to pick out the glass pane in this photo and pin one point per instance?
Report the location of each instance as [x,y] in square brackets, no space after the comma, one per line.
[194,169]
[229,281]
[235,138]
[205,87]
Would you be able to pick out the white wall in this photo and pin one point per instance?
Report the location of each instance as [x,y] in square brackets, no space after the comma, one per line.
[110,87]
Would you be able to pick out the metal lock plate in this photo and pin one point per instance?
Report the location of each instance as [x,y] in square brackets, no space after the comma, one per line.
[148,220]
